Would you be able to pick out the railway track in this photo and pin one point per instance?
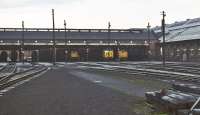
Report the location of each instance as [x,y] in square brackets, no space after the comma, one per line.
[178,69]
[158,74]
[7,70]
[161,75]
[20,76]
[185,68]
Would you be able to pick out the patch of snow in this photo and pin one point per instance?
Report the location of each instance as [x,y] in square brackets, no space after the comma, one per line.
[23,64]
[46,63]
[97,81]
[3,64]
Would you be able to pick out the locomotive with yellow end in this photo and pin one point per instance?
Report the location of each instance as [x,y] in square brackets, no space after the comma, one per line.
[74,55]
[123,54]
[108,54]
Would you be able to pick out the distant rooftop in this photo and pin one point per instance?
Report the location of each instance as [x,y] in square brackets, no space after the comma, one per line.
[75,34]
[181,31]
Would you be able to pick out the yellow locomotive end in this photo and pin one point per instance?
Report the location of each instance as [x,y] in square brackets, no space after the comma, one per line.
[75,55]
[123,54]
[108,54]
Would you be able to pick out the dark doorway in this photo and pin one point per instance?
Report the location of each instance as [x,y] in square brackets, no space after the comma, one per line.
[34,56]
[14,55]
[3,56]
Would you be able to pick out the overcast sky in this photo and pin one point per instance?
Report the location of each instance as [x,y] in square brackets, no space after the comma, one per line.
[95,13]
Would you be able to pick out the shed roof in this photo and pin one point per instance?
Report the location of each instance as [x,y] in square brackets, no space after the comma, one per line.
[75,34]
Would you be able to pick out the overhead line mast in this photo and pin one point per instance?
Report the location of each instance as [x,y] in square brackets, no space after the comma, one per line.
[54,42]
[109,26]
[163,34]
[148,32]
[22,45]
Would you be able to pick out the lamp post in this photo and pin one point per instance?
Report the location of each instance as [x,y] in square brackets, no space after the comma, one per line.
[54,42]
[22,45]
[109,26]
[65,33]
[109,47]
[118,49]
[163,34]
[36,51]
[87,49]
[148,35]
[38,55]
[65,24]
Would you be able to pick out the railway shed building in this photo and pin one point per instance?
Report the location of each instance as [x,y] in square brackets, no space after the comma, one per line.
[77,44]
[182,40]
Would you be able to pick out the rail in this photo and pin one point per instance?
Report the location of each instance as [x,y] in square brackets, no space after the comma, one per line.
[20,76]
[163,75]
[192,110]
[7,70]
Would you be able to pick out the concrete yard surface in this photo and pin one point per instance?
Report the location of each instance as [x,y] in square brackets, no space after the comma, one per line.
[58,92]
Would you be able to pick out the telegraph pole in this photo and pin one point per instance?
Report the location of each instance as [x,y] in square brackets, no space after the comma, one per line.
[118,49]
[65,33]
[109,26]
[22,44]
[163,34]
[54,42]
[87,51]
[148,30]
[65,24]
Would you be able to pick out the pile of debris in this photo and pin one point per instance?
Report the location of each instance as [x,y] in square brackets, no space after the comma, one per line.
[182,99]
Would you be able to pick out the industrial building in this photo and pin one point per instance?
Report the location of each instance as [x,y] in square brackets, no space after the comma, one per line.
[38,44]
[182,40]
